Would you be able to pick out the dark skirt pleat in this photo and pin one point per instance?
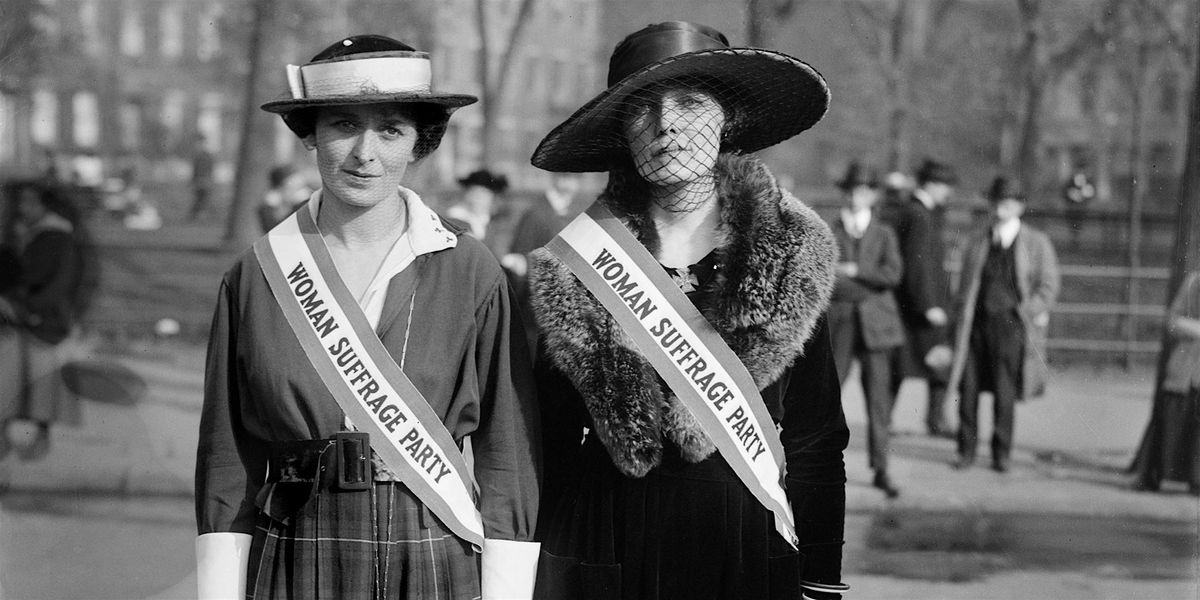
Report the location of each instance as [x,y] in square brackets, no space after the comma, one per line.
[683,531]
[381,544]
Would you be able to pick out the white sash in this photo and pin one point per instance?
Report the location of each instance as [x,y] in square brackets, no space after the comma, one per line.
[363,377]
[685,350]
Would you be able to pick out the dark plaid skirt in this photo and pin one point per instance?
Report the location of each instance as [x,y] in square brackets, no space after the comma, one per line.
[364,544]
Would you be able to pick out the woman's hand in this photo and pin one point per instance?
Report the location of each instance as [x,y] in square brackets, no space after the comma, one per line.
[847,269]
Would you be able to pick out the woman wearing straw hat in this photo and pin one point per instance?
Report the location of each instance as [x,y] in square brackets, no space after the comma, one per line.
[682,321]
[353,351]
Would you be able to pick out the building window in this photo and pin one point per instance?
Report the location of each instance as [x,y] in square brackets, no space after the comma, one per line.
[1088,87]
[8,139]
[133,34]
[208,120]
[89,16]
[171,117]
[44,126]
[1168,93]
[170,30]
[85,113]
[208,42]
[131,126]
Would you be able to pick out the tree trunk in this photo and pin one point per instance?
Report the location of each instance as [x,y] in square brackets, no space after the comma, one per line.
[255,148]
[487,100]
[1034,63]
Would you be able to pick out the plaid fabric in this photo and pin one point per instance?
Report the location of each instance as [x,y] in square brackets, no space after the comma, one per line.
[351,545]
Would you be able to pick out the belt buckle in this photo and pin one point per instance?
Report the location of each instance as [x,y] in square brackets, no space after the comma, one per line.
[353,460]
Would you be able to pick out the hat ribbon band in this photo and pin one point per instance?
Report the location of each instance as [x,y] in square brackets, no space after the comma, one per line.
[367,76]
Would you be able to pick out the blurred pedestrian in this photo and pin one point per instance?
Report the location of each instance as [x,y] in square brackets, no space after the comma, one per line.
[353,352]
[1170,448]
[1077,194]
[864,321]
[669,475]
[544,218]
[1008,285]
[924,292]
[286,190]
[473,209]
[37,316]
[203,165]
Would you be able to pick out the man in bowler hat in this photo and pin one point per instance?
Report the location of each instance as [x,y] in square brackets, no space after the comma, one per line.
[864,321]
[924,292]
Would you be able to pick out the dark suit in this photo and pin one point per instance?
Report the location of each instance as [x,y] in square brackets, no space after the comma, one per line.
[923,286]
[865,324]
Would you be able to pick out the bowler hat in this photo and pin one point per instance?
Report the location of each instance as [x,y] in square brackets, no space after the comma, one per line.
[857,175]
[485,178]
[934,171]
[364,69]
[1004,188]
[768,96]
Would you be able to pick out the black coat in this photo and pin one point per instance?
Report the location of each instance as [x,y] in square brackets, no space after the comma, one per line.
[924,284]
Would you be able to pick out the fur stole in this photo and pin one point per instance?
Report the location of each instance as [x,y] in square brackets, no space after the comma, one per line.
[775,280]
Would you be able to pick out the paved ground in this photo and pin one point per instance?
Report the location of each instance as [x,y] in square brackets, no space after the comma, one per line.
[107,515]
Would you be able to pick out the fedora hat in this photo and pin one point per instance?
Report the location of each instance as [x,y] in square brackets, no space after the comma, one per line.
[1004,188]
[768,96]
[857,175]
[364,69]
[485,178]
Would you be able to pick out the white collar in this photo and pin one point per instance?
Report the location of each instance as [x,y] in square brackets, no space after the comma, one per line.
[425,234]
[925,198]
[559,201]
[1007,232]
[855,222]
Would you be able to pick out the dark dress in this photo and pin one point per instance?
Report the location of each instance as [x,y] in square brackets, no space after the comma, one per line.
[690,530]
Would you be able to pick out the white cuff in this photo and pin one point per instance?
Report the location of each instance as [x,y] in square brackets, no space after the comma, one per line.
[221,560]
[509,569]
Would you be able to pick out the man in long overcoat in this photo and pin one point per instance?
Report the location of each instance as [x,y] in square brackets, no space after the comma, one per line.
[924,291]
[1009,283]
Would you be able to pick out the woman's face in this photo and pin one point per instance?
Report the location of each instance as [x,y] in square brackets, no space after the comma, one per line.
[674,138]
[862,197]
[363,151]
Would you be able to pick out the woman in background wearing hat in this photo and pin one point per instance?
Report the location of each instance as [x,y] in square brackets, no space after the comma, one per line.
[473,210]
[1008,285]
[365,311]
[657,502]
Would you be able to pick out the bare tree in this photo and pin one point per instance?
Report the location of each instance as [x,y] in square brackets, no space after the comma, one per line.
[897,36]
[495,79]
[761,12]
[253,161]
[1040,62]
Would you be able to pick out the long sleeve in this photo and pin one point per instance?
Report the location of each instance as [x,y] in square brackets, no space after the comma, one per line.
[1044,291]
[814,437]
[886,272]
[506,447]
[921,279]
[230,466]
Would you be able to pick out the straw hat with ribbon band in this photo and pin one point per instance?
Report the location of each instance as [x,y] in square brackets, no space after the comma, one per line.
[768,96]
[366,69]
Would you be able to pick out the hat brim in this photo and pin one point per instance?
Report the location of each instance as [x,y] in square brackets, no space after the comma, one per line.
[448,100]
[774,97]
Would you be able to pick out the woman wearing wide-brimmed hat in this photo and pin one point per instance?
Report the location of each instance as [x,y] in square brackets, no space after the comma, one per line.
[682,323]
[353,351]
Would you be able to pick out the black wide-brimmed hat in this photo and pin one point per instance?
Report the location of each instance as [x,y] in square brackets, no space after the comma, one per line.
[485,178]
[364,69]
[1004,188]
[768,96]
[857,175]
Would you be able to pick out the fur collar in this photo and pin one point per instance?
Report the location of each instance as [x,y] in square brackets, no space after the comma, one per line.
[774,284]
